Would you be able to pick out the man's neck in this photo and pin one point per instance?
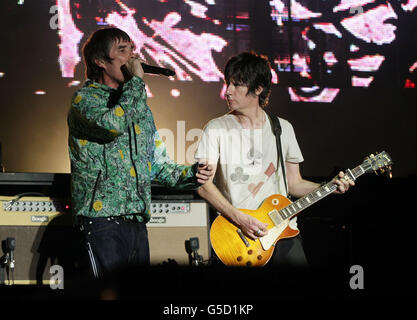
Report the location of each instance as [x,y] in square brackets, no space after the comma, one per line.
[251,119]
[108,81]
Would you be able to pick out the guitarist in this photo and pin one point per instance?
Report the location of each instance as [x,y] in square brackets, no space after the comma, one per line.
[242,149]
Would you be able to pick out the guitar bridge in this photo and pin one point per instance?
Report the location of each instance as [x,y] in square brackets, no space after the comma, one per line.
[241,235]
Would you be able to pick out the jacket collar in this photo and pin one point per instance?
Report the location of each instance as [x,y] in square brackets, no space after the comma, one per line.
[96,85]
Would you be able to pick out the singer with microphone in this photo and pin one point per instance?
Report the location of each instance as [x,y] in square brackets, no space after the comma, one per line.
[116,152]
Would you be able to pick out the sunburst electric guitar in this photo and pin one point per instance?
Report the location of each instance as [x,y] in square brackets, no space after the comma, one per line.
[234,249]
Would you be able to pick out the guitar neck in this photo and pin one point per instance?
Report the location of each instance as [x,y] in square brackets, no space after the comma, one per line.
[316,195]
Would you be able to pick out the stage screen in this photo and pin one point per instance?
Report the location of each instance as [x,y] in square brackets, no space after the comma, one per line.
[344,72]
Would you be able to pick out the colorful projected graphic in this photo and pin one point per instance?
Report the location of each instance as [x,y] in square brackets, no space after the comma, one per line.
[316,47]
[176,48]
[340,69]
[360,21]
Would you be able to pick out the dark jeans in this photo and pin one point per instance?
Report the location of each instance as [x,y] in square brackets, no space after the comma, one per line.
[113,243]
[289,253]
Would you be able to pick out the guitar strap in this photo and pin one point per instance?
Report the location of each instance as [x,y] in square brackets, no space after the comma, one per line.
[276,129]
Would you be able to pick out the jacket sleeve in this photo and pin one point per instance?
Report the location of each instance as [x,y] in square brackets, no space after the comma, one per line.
[94,118]
[165,171]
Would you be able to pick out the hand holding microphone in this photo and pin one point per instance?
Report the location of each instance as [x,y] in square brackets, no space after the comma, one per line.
[135,67]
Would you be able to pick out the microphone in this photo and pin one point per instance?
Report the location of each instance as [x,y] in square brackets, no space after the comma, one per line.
[157,70]
[11,245]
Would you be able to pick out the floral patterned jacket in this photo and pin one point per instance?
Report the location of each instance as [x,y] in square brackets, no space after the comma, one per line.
[116,152]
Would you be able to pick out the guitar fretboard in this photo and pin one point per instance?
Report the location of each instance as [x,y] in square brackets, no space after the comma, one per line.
[314,196]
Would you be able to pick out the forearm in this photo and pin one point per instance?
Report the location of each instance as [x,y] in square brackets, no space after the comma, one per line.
[302,187]
[91,111]
[167,172]
[249,225]
[213,195]
[175,176]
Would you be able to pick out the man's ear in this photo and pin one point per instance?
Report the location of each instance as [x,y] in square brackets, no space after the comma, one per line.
[259,90]
[100,63]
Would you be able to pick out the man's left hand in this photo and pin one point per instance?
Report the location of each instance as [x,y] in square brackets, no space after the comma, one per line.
[343,183]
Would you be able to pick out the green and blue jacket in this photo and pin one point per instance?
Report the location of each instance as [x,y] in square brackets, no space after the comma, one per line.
[116,152]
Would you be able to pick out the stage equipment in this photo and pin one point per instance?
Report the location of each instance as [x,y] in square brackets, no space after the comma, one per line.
[173,222]
[43,233]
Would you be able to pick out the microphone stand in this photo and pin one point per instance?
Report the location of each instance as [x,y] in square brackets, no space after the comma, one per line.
[7,261]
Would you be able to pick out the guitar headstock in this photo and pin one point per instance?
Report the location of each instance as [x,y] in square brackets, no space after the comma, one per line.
[380,162]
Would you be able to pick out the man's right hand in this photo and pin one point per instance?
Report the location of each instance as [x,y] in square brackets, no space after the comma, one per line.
[134,66]
[251,227]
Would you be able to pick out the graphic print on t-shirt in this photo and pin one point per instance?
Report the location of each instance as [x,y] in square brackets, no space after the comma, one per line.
[238,176]
[270,170]
[254,188]
[254,156]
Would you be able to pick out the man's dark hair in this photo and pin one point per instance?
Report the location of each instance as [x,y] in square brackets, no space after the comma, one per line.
[98,46]
[252,70]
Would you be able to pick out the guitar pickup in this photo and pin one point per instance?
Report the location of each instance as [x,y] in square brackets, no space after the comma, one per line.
[241,235]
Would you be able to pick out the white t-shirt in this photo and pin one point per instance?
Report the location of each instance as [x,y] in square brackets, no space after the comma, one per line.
[246,159]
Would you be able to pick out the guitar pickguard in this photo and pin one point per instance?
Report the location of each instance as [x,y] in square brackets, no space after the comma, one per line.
[273,234]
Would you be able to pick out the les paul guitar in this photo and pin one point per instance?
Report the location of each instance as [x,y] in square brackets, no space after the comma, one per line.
[234,249]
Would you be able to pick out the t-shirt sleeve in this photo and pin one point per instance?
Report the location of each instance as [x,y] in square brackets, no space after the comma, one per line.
[208,145]
[291,149]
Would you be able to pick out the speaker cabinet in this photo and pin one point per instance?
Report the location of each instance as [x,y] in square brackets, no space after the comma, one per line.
[172,224]
[44,237]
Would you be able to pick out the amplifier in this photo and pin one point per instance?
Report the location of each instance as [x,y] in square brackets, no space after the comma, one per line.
[32,211]
[173,222]
[42,228]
